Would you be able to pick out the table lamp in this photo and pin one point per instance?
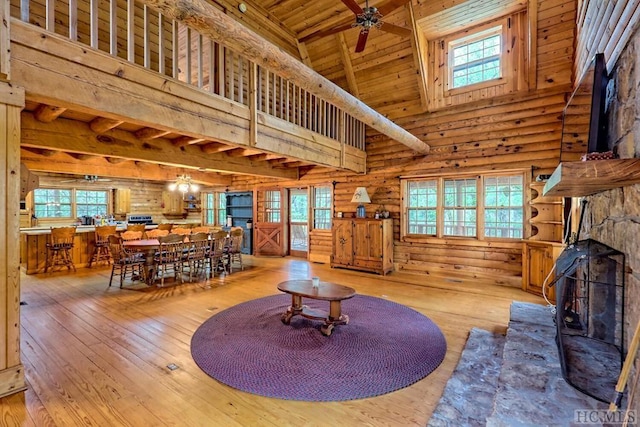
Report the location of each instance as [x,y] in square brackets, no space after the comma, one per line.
[360,196]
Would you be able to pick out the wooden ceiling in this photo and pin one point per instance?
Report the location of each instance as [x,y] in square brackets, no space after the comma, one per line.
[386,75]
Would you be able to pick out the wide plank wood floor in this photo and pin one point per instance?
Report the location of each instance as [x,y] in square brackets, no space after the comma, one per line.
[98,356]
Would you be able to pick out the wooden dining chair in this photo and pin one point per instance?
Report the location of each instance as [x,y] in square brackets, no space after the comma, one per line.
[101,250]
[136,227]
[165,226]
[216,253]
[200,229]
[126,263]
[234,248]
[196,253]
[59,248]
[169,257]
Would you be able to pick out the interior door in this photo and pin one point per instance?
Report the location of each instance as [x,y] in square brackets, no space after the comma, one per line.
[270,234]
[298,222]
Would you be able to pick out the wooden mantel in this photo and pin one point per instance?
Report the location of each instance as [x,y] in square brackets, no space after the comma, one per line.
[575,179]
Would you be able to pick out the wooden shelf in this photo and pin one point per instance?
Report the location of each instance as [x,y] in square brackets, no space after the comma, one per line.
[574,179]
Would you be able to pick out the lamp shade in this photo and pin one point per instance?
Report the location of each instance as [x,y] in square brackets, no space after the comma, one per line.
[360,196]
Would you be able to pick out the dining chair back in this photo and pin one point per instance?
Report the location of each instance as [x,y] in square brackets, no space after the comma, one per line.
[217,252]
[197,251]
[101,250]
[59,248]
[136,227]
[154,234]
[165,226]
[170,257]
[126,262]
[234,248]
[183,231]
[131,235]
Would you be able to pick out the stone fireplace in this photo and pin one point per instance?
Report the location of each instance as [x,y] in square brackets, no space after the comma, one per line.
[589,316]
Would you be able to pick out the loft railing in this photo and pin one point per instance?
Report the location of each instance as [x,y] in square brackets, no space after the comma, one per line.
[132,31]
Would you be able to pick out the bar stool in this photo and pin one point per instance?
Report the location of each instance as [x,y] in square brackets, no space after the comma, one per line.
[101,250]
[59,248]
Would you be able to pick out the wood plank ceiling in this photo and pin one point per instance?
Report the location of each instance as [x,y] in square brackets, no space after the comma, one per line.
[386,75]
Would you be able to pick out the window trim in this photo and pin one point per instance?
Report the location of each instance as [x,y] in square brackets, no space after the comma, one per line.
[74,201]
[480,229]
[216,209]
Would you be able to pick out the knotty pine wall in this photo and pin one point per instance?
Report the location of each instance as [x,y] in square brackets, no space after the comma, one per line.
[520,131]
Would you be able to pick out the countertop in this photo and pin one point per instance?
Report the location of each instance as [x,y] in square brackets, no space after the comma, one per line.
[33,231]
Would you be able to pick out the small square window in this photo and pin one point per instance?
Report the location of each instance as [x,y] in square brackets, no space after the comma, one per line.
[477,60]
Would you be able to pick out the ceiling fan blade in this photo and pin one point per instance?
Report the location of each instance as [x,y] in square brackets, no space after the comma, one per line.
[362,41]
[326,32]
[351,4]
[391,5]
[395,29]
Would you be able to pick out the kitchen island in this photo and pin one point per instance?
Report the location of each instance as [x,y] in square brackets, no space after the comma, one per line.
[33,246]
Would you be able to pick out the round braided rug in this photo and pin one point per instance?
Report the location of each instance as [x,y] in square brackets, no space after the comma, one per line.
[385,347]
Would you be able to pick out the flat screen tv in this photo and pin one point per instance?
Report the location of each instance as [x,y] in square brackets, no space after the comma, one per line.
[584,125]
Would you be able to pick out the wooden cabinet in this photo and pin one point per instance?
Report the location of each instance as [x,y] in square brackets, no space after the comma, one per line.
[363,244]
[538,259]
[191,203]
[172,203]
[122,201]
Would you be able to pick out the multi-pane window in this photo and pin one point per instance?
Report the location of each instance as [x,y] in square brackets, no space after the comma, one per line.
[423,202]
[503,201]
[460,203]
[445,207]
[322,208]
[52,203]
[91,203]
[272,206]
[477,60]
[215,208]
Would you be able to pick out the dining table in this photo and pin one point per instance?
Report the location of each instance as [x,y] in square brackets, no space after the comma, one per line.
[148,248]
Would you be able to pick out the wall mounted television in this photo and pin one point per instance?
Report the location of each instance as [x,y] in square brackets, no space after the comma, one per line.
[584,124]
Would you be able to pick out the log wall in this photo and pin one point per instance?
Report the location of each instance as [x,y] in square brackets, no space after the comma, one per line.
[518,131]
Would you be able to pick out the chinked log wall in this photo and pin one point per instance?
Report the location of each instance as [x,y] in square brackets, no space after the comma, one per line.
[518,131]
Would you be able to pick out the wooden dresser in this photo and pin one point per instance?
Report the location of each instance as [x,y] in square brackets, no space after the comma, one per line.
[363,244]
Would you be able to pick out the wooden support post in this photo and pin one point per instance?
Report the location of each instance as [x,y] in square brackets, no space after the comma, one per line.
[5,40]
[11,371]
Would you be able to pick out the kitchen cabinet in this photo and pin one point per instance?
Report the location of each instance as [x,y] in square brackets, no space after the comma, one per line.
[240,214]
[191,203]
[122,201]
[363,244]
[538,260]
[172,203]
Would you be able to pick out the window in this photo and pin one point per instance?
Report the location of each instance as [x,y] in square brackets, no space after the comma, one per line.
[423,202]
[322,208]
[460,202]
[503,201]
[444,207]
[272,205]
[91,203]
[52,203]
[215,208]
[477,60]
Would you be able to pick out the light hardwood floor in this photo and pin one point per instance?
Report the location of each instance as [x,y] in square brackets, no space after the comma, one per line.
[98,356]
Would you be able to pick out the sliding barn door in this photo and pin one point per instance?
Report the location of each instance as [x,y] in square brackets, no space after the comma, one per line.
[269,227]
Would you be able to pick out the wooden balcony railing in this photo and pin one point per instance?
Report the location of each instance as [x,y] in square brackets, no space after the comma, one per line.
[130,30]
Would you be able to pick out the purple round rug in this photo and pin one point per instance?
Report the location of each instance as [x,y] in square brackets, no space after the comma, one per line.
[385,347]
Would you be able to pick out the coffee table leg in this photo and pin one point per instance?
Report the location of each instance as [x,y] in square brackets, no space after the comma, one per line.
[295,308]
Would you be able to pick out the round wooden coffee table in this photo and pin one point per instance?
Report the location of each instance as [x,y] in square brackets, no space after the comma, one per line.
[326,291]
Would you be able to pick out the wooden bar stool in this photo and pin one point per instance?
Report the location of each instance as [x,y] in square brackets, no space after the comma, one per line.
[59,248]
[101,250]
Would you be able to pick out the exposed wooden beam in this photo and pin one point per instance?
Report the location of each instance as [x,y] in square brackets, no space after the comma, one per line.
[304,55]
[216,147]
[81,156]
[127,170]
[48,113]
[146,134]
[42,152]
[200,15]
[76,137]
[346,62]
[182,141]
[102,124]
[115,160]
[419,51]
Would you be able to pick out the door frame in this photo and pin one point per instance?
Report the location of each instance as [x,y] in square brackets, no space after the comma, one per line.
[295,252]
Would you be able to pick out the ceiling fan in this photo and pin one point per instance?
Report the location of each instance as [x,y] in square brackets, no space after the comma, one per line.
[88,178]
[368,17]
